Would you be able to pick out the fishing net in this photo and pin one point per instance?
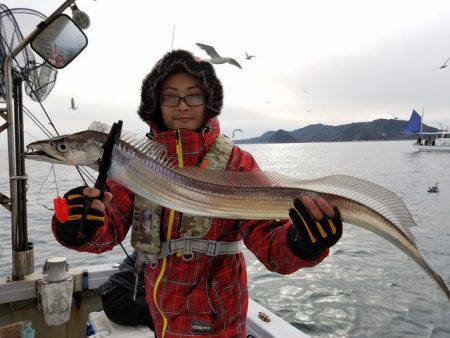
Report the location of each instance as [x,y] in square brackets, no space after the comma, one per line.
[39,77]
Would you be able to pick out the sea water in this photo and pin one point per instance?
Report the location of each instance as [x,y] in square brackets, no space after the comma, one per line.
[365,288]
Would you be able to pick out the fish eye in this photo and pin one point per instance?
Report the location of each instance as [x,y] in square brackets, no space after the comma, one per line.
[62,147]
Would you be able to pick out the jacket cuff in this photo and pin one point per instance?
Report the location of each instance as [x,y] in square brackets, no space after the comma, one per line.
[295,248]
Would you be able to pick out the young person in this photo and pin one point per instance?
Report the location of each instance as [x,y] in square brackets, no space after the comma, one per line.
[195,275]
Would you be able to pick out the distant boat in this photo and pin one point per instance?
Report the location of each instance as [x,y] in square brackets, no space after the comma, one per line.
[427,141]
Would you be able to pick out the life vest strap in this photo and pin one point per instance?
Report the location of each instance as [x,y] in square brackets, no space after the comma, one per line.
[188,246]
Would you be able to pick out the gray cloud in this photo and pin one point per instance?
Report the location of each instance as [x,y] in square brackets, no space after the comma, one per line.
[392,76]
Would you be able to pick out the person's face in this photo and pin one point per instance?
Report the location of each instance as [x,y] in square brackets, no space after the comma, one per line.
[188,115]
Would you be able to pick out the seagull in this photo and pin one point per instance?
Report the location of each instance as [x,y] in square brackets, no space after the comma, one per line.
[215,57]
[72,104]
[444,65]
[237,130]
[433,188]
[249,57]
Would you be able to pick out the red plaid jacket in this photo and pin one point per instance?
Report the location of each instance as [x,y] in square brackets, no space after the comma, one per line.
[206,295]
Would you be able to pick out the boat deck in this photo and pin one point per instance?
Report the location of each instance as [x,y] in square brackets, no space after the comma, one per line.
[19,302]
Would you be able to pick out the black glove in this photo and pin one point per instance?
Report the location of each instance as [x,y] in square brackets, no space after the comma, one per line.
[308,238]
[68,232]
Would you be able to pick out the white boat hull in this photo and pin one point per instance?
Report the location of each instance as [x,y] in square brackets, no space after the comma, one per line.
[441,145]
[18,303]
[436,148]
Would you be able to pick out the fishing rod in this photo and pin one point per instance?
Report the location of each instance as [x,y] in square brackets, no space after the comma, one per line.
[105,163]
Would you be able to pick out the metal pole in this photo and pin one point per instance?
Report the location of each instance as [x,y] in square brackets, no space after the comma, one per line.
[23,256]
[21,178]
[12,163]
[421,119]
[173,36]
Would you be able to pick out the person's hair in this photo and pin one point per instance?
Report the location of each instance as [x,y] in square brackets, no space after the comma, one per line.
[174,62]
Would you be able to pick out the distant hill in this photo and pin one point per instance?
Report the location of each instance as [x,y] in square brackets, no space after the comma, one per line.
[381,129]
[282,136]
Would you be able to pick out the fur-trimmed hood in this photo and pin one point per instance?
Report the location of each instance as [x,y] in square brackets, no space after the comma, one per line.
[173,62]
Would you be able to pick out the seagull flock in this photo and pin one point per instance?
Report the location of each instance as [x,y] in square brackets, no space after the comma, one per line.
[217,59]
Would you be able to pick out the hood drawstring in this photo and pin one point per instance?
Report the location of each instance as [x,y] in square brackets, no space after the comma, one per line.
[179,148]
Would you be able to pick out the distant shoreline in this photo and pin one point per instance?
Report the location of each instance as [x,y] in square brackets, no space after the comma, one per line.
[377,130]
[355,141]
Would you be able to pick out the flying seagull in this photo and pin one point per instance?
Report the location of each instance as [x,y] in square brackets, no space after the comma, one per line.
[249,57]
[215,57]
[237,130]
[72,104]
[444,64]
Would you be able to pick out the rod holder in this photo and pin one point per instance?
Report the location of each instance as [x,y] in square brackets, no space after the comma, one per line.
[23,262]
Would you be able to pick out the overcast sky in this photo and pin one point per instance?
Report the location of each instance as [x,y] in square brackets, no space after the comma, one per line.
[329,62]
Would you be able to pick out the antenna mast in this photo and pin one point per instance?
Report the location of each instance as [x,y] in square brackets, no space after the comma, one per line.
[421,120]
[173,36]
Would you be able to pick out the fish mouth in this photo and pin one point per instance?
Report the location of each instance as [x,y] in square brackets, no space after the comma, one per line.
[32,154]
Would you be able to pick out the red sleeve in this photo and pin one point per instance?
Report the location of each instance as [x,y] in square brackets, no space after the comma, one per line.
[268,239]
[118,218]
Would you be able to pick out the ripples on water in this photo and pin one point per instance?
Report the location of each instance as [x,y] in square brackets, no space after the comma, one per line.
[365,288]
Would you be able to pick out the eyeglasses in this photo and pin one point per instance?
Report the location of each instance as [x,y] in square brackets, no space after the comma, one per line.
[190,100]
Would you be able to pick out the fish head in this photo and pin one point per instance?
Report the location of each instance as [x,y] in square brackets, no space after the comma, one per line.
[83,148]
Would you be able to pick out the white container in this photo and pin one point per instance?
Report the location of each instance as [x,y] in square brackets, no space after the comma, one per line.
[56,268]
[103,327]
[56,291]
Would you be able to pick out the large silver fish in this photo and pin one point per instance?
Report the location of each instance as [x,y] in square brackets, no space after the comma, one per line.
[142,166]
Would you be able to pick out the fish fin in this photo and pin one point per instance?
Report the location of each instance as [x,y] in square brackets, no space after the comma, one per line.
[237,179]
[125,135]
[150,148]
[372,195]
[99,126]
[361,191]
[149,152]
[141,147]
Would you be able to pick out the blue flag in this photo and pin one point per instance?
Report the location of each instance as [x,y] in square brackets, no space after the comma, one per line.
[413,125]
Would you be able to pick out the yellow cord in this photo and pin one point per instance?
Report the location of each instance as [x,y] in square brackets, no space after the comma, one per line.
[161,273]
[179,149]
[169,233]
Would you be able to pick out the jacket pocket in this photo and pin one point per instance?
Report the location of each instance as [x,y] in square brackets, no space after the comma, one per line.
[106,288]
[226,300]
[182,297]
